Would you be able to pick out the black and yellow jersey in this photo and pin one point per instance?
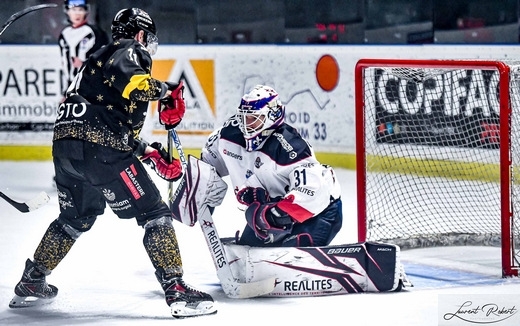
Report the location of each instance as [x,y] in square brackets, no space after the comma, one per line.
[108,100]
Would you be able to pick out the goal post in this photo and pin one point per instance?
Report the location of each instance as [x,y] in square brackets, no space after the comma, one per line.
[438,153]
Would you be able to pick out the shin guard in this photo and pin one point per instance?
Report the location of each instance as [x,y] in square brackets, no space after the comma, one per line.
[53,247]
[161,245]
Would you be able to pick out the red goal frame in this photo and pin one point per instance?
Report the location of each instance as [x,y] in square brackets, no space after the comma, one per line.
[506,210]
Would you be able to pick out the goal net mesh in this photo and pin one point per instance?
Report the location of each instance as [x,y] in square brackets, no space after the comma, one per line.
[432,155]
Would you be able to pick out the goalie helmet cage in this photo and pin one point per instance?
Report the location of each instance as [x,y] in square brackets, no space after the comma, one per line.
[438,152]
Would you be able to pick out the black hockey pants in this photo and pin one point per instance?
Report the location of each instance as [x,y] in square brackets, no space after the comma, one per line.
[89,176]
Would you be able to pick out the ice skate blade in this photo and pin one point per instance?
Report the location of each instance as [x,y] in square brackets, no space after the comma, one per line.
[26,302]
[180,310]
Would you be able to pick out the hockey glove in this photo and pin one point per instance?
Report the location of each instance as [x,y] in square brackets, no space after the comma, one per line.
[172,107]
[270,223]
[139,147]
[248,195]
[161,163]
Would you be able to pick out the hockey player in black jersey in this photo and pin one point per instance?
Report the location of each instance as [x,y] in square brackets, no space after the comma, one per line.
[98,159]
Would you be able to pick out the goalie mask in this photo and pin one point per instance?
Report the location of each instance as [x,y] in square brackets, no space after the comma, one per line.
[259,114]
[128,22]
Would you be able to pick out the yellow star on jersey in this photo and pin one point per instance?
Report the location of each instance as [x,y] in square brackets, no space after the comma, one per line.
[132,107]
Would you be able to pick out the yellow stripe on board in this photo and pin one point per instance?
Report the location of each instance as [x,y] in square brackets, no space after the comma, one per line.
[435,168]
[44,153]
[432,168]
[25,153]
[341,160]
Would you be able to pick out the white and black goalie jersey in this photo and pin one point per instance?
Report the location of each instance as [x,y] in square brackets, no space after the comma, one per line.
[285,165]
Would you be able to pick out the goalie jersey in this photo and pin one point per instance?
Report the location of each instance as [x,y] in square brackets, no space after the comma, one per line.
[285,166]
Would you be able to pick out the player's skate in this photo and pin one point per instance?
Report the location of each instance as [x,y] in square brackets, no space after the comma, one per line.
[185,301]
[32,290]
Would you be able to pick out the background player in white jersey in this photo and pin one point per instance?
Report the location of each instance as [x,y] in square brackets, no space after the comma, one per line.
[290,199]
[78,40]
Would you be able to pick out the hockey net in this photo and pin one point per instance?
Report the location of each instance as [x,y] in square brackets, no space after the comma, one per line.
[437,147]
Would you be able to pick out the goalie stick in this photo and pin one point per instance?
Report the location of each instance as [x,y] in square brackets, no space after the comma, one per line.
[41,199]
[23,12]
[231,286]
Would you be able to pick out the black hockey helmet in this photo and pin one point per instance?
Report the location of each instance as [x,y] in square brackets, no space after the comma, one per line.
[128,22]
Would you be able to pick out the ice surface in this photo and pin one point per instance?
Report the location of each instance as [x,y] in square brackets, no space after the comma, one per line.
[107,278]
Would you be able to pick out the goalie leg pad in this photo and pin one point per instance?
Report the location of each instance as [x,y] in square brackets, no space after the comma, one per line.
[319,271]
[200,186]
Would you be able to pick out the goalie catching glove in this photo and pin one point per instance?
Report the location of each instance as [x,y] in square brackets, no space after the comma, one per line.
[162,164]
[172,107]
[269,222]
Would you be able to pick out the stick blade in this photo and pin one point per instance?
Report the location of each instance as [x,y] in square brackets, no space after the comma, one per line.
[237,290]
[41,199]
[23,12]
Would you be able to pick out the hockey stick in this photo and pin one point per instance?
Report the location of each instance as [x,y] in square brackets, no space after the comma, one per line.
[170,155]
[231,286]
[41,199]
[23,12]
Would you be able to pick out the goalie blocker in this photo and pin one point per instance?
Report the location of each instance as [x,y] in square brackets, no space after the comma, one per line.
[319,271]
